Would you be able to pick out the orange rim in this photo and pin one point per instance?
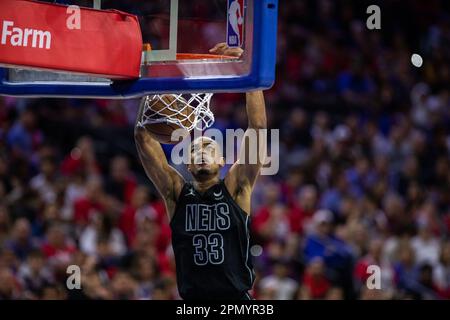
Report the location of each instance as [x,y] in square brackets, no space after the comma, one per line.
[200,56]
[194,56]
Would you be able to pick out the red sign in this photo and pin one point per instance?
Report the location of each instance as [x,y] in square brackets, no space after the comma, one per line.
[69,38]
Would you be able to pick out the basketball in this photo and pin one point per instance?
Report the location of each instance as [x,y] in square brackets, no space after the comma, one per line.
[160,110]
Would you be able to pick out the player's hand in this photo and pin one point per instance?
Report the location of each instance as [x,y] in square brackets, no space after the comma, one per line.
[223,49]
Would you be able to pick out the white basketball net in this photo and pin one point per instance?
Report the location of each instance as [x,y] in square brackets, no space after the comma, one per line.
[187,111]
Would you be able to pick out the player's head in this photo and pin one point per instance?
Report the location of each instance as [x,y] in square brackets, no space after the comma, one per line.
[206,159]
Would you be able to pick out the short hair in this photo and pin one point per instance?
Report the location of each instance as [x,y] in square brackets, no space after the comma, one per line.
[204,138]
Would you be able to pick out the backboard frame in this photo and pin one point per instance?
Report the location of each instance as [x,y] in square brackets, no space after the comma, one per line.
[261,71]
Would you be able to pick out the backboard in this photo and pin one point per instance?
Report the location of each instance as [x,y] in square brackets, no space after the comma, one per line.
[177,36]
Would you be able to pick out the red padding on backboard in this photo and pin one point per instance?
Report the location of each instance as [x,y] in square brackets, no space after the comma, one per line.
[46,36]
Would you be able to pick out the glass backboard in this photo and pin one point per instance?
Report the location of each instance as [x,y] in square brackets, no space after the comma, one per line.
[177,36]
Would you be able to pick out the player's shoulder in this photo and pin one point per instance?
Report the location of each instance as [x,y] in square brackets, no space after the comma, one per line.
[179,190]
[235,183]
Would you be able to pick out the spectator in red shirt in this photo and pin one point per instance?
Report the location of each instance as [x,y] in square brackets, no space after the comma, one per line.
[94,201]
[139,209]
[121,182]
[147,221]
[272,223]
[315,284]
[302,210]
[81,159]
[262,215]
[291,186]
[58,248]
[375,257]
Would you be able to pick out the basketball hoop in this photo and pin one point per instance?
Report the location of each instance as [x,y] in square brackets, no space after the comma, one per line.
[195,107]
[193,113]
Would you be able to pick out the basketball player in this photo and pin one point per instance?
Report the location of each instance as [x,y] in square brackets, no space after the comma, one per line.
[209,217]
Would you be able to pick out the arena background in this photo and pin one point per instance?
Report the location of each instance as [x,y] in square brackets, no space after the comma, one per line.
[364,177]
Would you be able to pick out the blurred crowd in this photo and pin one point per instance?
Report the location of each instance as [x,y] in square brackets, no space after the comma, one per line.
[364,178]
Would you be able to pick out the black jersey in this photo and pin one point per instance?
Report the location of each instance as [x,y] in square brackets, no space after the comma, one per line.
[210,238]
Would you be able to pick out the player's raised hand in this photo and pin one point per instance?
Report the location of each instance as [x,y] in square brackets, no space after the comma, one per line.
[223,49]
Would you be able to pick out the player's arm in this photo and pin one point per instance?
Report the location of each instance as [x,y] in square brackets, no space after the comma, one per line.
[253,147]
[242,176]
[166,179]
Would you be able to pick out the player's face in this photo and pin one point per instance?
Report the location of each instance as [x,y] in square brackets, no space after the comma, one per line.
[206,158]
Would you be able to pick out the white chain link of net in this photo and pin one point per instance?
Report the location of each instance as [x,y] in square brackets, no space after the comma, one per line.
[193,113]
